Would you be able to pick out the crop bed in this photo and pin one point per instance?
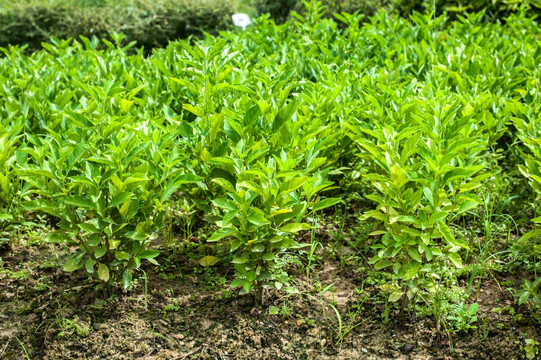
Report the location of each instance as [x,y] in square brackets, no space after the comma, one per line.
[306,190]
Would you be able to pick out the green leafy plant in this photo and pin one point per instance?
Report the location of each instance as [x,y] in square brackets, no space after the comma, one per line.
[529,133]
[530,293]
[531,348]
[106,192]
[424,169]
[265,208]
[462,317]
[10,211]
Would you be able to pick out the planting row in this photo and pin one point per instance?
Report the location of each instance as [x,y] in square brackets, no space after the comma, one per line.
[252,134]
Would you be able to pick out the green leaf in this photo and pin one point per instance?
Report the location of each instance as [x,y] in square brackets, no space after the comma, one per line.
[221,233]
[251,116]
[412,252]
[530,235]
[268,257]
[382,264]
[523,298]
[225,184]
[136,235]
[295,227]
[5,216]
[103,272]
[194,110]
[250,276]
[126,278]
[208,261]
[395,296]
[89,228]
[449,237]
[437,217]
[257,218]
[126,105]
[293,184]
[246,286]
[59,237]
[80,202]
[149,254]
[284,115]
[455,259]
[75,155]
[89,265]
[466,206]
[320,205]
[399,176]
[73,264]
[232,130]
[429,195]
[411,270]
[473,309]
[377,232]
[236,283]
[120,198]
[99,252]
[225,204]
[217,173]
[122,255]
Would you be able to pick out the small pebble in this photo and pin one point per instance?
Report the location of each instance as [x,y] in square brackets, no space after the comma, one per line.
[98,326]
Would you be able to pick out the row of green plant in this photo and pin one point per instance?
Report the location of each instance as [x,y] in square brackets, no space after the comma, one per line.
[155,23]
[495,10]
[150,23]
[251,135]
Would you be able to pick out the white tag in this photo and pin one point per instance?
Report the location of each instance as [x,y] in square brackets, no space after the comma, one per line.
[242,20]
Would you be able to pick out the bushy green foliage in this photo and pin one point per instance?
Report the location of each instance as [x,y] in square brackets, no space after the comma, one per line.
[280,10]
[9,186]
[495,10]
[528,129]
[150,23]
[248,129]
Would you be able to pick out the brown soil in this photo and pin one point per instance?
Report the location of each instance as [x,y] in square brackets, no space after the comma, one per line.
[187,318]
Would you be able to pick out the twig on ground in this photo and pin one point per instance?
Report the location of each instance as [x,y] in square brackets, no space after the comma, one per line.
[184,356]
[5,347]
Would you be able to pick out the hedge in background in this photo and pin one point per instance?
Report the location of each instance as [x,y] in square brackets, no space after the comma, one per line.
[151,23]
[279,9]
[495,9]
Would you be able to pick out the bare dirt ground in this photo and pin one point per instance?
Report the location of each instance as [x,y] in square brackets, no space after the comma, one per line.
[46,313]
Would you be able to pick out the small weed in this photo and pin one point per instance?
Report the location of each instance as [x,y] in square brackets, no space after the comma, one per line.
[531,348]
[463,317]
[20,275]
[71,326]
[282,310]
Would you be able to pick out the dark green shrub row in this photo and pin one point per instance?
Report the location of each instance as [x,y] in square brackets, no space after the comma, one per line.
[152,23]
[279,9]
[495,9]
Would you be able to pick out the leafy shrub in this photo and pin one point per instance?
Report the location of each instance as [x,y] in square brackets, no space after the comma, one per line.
[424,166]
[529,132]
[149,23]
[105,183]
[495,10]
[280,10]
[9,187]
[247,130]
